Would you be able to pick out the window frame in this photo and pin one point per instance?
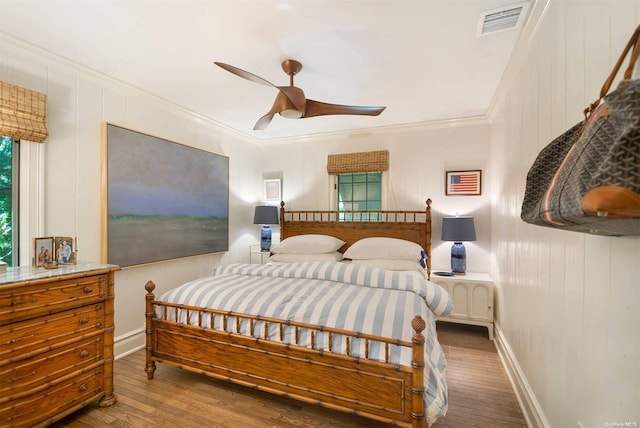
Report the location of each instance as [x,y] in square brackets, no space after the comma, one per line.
[15,200]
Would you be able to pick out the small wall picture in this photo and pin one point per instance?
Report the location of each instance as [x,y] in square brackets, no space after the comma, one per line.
[65,248]
[271,190]
[43,251]
[463,182]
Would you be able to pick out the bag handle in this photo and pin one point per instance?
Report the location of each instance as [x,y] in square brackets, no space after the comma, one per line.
[634,42]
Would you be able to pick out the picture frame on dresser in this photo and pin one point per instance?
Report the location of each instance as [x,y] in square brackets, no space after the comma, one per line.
[43,250]
[65,248]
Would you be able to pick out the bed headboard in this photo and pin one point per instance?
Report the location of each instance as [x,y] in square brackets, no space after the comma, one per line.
[350,226]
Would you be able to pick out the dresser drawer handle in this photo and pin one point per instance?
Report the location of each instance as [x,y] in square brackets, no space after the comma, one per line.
[83,387]
[84,320]
[88,290]
[84,354]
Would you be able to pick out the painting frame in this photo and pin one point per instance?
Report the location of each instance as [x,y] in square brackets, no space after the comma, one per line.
[271,190]
[45,253]
[161,200]
[463,182]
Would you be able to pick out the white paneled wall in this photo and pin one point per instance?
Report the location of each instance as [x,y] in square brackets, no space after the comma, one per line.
[418,159]
[568,303]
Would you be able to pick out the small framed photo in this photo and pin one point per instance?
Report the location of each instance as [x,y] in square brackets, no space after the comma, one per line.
[463,182]
[43,251]
[271,190]
[65,248]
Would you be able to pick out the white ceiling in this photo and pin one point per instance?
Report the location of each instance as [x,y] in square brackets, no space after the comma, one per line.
[421,59]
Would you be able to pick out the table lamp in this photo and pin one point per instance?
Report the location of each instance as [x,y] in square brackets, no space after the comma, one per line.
[458,229]
[265,215]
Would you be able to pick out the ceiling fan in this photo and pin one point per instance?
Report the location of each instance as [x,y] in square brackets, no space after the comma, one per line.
[291,102]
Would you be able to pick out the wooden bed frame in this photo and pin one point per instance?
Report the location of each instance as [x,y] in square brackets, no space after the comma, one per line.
[377,390]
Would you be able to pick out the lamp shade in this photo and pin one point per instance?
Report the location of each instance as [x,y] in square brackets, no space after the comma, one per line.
[265,214]
[458,229]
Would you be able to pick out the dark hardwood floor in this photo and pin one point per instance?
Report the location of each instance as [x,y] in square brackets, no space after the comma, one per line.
[479,396]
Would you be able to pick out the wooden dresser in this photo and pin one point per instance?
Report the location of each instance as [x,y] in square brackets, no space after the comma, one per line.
[56,342]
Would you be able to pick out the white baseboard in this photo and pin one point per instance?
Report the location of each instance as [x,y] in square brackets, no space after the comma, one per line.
[529,405]
[128,343]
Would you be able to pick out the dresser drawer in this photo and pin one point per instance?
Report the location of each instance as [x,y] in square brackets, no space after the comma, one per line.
[33,374]
[53,400]
[35,299]
[25,339]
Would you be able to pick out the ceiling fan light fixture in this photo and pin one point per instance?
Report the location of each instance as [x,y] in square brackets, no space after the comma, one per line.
[291,113]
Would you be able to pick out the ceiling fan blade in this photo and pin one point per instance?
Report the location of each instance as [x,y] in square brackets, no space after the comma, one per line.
[317,108]
[263,122]
[244,74]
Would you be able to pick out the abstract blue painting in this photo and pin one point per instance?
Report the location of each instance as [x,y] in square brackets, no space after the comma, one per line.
[164,200]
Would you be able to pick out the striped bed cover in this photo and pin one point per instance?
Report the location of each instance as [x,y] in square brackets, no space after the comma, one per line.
[341,295]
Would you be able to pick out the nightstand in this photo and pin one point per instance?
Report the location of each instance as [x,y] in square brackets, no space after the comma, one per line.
[257,256]
[472,296]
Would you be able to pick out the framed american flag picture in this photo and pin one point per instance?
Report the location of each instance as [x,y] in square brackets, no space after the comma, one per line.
[463,182]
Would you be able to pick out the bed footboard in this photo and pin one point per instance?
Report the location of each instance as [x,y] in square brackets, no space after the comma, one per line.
[378,390]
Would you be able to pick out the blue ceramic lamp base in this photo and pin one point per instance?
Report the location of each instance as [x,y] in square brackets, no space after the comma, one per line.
[265,238]
[458,258]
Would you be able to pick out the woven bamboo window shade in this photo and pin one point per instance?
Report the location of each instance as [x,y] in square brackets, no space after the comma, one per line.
[23,113]
[346,163]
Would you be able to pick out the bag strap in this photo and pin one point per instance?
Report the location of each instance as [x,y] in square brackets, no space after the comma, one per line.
[634,56]
[632,43]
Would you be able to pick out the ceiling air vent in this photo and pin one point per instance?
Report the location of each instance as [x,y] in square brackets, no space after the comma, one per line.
[505,18]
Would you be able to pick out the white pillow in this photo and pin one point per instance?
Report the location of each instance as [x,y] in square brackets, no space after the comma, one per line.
[336,256]
[384,248]
[308,244]
[393,264]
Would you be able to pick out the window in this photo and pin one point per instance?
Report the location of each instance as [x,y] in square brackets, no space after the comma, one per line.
[9,161]
[359,192]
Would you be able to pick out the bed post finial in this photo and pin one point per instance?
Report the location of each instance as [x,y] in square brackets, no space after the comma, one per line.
[150,366]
